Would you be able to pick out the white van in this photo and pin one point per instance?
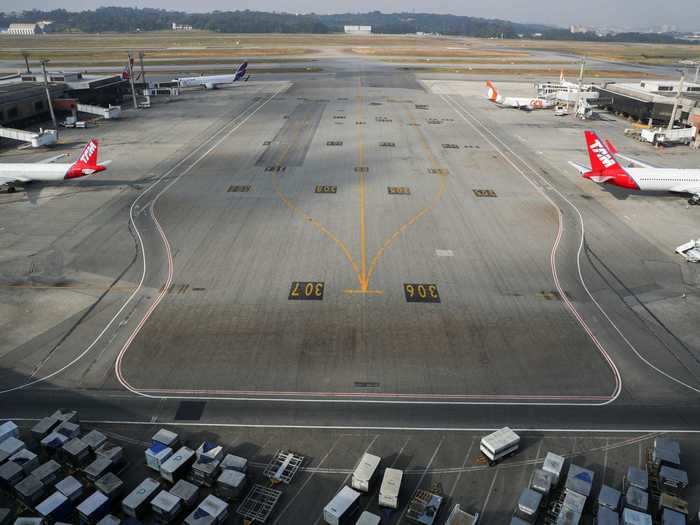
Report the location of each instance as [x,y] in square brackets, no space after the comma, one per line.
[391,485]
[364,472]
[342,507]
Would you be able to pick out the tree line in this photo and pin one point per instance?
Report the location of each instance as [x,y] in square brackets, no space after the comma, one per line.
[127,19]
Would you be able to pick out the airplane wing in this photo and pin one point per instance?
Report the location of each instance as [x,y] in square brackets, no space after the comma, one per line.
[7,179]
[581,169]
[693,188]
[52,159]
[634,161]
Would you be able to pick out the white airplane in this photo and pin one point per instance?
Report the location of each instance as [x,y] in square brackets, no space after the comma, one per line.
[605,169]
[527,104]
[47,171]
[212,81]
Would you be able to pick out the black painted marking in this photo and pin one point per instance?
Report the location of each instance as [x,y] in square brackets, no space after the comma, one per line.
[306,291]
[471,146]
[421,106]
[238,189]
[340,117]
[448,120]
[438,171]
[415,124]
[322,188]
[398,190]
[366,384]
[267,143]
[362,169]
[190,410]
[553,295]
[421,293]
[387,144]
[375,103]
[450,146]
[485,193]
[198,289]
[178,288]
[276,168]
[360,122]
[434,121]
[382,119]
[334,143]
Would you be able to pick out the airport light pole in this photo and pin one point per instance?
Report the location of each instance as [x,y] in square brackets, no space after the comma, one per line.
[26,61]
[677,102]
[48,96]
[131,80]
[143,71]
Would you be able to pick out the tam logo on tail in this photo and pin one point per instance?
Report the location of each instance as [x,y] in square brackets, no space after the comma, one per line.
[89,155]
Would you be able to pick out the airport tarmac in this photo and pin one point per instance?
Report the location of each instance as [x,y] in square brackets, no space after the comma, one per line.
[375,253]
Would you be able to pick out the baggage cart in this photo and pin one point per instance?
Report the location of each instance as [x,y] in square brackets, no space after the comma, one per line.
[9,447]
[424,507]
[636,499]
[166,437]
[204,471]
[258,504]
[579,480]
[52,443]
[673,479]
[43,428]
[367,518]
[529,505]
[76,453]
[112,452]
[636,477]
[10,474]
[98,468]
[8,429]
[461,517]
[94,439]
[210,450]
[607,516]
[634,517]
[541,481]
[55,508]
[283,466]
[671,517]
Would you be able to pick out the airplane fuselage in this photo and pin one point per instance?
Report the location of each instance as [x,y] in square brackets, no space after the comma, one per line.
[206,81]
[664,179]
[36,172]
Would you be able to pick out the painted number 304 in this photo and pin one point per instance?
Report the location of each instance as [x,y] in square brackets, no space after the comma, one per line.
[421,293]
[306,291]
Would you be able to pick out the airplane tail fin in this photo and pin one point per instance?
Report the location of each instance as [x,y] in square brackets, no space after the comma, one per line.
[493,94]
[87,162]
[610,146]
[604,165]
[241,71]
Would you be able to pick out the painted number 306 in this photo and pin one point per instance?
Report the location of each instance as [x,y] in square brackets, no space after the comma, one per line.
[421,293]
[306,291]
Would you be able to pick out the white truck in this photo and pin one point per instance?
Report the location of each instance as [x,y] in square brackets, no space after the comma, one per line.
[389,490]
[664,136]
[499,444]
[341,509]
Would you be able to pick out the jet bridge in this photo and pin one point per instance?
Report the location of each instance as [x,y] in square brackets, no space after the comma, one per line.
[34,139]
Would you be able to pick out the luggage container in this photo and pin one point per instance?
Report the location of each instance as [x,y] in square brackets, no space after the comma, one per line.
[156,455]
[529,505]
[98,468]
[671,517]
[460,517]
[367,518]
[579,480]
[541,481]
[26,459]
[5,516]
[48,472]
[29,521]
[607,516]
[30,491]
[636,477]
[568,516]
[176,465]
[70,416]
[204,471]
[44,427]
[112,452]
[10,474]
[70,487]
[673,479]
[94,439]
[499,444]
[93,508]
[8,429]
[668,444]
[342,507]
[9,447]
[390,488]
[233,462]
[136,503]
[667,501]
[110,485]
[230,484]
[210,450]
[609,497]
[109,519]
[68,429]
[76,453]
[574,501]
[424,507]
[187,492]
[636,499]
[55,507]
[364,472]
[554,464]
[166,437]
[634,517]
[52,443]
[211,511]
[166,506]
[661,457]
[517,521]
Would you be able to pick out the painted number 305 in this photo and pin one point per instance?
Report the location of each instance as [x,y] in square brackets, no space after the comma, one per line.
[306,291]
[421,293]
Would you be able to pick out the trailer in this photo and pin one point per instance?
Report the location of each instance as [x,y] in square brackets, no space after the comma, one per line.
[341,509]
[364,472]
[258,504]
[390,488]
[283,466]
[499,444]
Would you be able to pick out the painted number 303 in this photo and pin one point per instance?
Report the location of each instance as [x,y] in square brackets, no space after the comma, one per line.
[306,291]
[421,293]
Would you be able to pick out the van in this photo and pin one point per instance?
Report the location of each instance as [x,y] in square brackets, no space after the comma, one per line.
[391,485]
[340,510]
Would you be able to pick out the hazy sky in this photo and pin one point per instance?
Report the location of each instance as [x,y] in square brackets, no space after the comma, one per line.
[685,14]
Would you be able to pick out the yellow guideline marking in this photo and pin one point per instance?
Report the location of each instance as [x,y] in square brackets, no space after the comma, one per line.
[364,292]
[364,281]
[401,229]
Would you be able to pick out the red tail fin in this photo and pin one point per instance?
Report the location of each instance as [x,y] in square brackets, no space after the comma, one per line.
[87,162]
[604,166]
[493,92]
[611,147]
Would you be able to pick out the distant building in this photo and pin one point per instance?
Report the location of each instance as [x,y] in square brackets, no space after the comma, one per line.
[578,29]
[358,30]
[181,27]
[23,29]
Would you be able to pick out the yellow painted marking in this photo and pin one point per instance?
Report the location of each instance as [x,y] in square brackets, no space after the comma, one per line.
[364,281]
[363,292]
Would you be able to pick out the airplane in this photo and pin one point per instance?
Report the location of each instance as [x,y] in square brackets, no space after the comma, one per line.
[47,171]
[605,169]
[527,104]
[212,81]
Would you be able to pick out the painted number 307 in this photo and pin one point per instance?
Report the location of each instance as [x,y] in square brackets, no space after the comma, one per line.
[306,291]
[421,293]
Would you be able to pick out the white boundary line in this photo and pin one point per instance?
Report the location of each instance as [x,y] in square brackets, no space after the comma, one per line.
[578,258]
